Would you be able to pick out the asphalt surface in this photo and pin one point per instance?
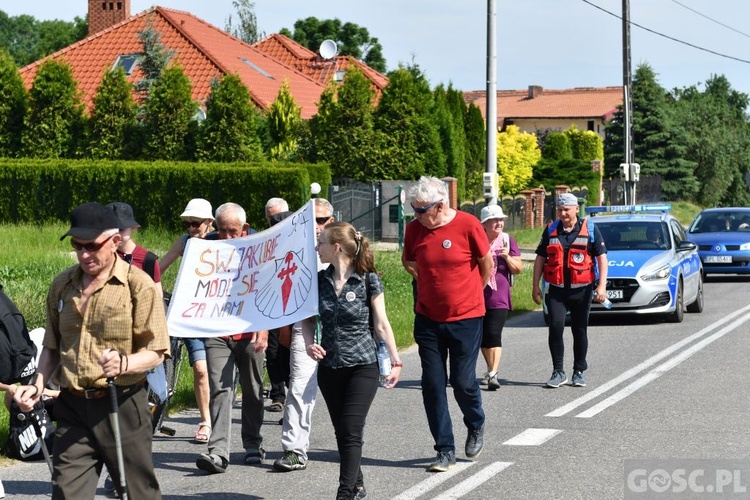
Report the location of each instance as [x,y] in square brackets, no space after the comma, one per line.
[655,391]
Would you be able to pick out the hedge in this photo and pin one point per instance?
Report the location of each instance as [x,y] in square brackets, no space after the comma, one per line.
[47,190]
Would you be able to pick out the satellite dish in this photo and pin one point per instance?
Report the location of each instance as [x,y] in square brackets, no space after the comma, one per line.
[328,49]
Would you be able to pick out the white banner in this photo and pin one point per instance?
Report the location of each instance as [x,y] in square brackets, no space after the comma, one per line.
[262,281]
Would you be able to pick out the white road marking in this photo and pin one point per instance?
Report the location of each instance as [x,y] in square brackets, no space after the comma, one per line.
[532,437]
[434,481]
[559,412]
[660,370]
[468,485]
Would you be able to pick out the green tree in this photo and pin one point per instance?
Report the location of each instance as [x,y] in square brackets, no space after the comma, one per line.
[284,121]
[404,118]
[451,130]
[168,114]
[230,130]
[152,61]
[719,140]
[557,147]
[113,117]
[517,153]
[352,39]
[27,40]
[55,119]
[585,144]
[247,24]
[476,149]
[13,106]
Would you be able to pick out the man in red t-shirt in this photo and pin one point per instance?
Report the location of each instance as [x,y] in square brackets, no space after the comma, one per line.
[447,253]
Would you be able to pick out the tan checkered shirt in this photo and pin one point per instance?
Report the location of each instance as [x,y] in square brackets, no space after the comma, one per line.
[113,319]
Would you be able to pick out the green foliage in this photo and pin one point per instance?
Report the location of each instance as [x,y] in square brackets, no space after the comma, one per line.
[168,112]
[247,25]
[27,40]
[571,172]
[13,105]
[230,131]
[46,190]
[54,124]
[585,144]
[152,61]
[557,147]
[476,150]
[405,122]
[452,138]
[113,118]
[517,153]
[352,39]
[284,121]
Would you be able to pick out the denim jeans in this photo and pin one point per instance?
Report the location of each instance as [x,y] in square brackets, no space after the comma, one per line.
[457,341]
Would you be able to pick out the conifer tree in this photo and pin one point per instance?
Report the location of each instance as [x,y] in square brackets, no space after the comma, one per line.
[13,106]
[230,130]
[476,148]
[284,121]
[113,117]
[55,120]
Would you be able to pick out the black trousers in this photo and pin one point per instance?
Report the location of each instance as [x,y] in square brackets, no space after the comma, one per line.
[578,302]
[277,363]
[84,441]
[349,393]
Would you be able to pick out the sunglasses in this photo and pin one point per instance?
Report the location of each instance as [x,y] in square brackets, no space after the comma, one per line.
[89,247]
[323,220]
[424,209]
[192,223]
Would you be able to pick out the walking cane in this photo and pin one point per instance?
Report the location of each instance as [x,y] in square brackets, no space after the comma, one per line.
[37,423]
[114,421]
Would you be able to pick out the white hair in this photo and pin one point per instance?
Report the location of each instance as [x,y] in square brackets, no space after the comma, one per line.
[277,202]
[322,202]
[428,189]
[233,209]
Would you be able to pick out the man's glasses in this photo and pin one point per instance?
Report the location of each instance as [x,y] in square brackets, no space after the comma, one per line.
[192,223]
[322,220]
[424,209]
[89,247]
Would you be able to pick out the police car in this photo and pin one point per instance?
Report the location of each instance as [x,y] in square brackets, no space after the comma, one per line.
[653,267]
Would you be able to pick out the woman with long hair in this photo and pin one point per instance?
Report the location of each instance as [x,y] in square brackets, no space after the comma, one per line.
[351,298]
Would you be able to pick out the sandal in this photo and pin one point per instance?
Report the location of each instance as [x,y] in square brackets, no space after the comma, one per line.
[203,434]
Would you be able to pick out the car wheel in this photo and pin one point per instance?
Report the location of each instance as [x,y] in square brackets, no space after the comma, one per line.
[697,306]
[679,306]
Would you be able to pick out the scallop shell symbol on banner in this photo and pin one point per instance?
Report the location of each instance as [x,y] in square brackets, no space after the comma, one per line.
[287,288]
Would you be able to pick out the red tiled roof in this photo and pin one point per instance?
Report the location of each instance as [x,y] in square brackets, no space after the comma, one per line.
[204,51]
[294,55]
[580,102]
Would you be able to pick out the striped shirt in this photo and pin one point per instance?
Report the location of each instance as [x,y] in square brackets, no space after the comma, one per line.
[124,313]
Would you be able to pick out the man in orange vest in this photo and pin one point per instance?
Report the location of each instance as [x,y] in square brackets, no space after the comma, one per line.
[567,256]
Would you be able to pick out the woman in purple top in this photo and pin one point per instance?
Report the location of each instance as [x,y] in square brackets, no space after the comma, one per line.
[506,259]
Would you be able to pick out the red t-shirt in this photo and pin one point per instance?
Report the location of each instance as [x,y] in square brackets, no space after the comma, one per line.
[449,287]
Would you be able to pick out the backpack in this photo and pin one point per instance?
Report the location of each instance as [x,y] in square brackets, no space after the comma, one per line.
[149,263]
[17,350]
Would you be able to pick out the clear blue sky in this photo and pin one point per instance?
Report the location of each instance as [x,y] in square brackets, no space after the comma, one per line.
[552,43]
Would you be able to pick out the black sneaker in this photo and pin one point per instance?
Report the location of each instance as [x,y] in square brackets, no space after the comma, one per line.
[289,462]
[254,457]
[360,492]
[474,443]
[493,383]
[211,463]
[443,461]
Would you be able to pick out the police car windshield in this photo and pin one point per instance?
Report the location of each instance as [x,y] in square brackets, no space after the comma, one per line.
[629,235]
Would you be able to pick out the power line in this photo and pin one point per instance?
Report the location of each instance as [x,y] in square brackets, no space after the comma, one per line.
[669,37]
[711,19]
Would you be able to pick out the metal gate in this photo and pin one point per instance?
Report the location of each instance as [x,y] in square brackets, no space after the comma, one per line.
[356,202]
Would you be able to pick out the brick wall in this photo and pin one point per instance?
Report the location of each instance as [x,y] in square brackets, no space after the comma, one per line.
[106,13]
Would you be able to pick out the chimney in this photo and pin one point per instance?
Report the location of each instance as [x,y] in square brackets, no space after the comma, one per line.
[106,13]
[535,91]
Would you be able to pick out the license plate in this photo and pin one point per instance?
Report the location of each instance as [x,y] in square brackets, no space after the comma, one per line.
[614,294]
[718,259]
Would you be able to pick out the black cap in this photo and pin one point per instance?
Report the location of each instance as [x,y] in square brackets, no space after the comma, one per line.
[90,220]
[124,213]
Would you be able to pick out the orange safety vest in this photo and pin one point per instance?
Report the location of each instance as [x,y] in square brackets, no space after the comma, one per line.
[577,259]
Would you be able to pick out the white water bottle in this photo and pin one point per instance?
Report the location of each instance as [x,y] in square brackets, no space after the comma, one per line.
[607,303]
[384,362]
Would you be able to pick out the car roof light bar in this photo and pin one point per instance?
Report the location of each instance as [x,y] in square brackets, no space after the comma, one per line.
[657,207]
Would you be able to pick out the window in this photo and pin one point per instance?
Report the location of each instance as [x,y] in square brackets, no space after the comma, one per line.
[591,125]
[126,62]
[339,76]
[256,68]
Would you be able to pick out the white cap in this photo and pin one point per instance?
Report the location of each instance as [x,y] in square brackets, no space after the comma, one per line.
[491,212]
[198,208]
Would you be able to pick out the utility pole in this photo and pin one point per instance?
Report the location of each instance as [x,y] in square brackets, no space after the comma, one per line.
[490,177]
[627,103]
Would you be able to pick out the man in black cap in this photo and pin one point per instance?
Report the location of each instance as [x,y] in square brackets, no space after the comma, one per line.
[104,320]
[567,256]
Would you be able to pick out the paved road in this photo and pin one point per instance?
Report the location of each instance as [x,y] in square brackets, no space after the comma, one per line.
[656,390]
